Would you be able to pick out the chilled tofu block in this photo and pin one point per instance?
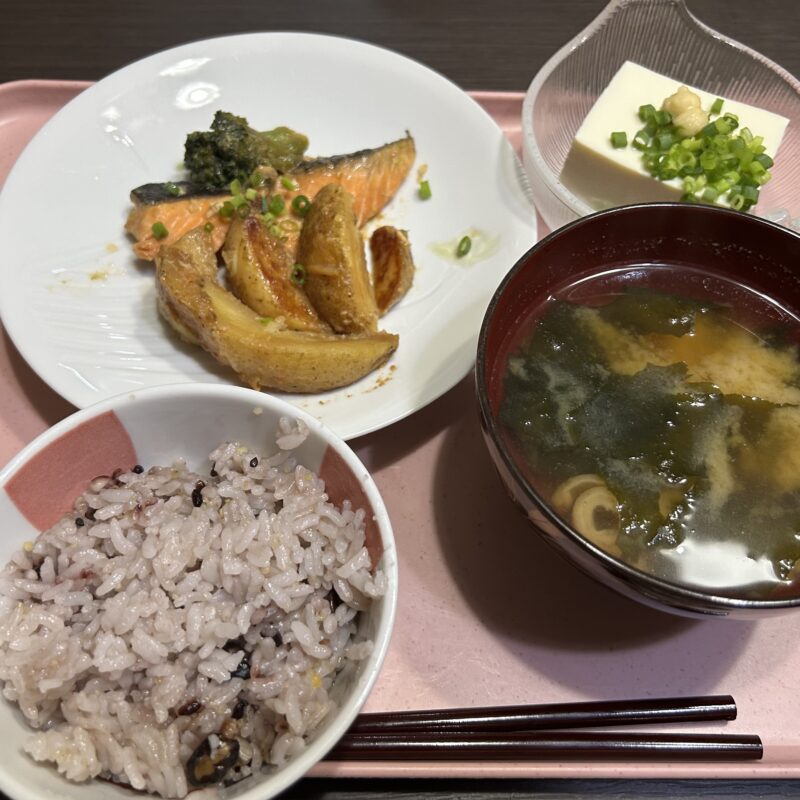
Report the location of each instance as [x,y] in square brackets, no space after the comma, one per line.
[605,176]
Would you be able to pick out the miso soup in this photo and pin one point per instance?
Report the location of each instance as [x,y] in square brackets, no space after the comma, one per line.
[658,411]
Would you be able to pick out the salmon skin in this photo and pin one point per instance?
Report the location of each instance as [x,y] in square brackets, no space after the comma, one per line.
[151,193]
[371,176]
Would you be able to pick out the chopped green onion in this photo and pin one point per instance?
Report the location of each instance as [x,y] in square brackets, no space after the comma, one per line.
[723,125]
[424,190]
[300,205]
[236,186]
[227,209]
[750,193]
[289,225]
[722,186]
[159,230]
[238,200]
[641,140]
[708,131]
[663,118]
[692,144]
[737,202]
[733,121]
[619,139]
[288,183]
[265,320]
[299,274]
[276,205]
[720,162]
[257,179]
[251,194]
[172,188]
[464,246]
[665,141]
[243,211]
[647,112]
[208,227]
[708,160]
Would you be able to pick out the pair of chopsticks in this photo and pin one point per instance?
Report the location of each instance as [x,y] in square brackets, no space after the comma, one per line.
[546,732]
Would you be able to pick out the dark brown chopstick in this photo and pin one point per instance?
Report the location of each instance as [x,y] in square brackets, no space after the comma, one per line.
[551,717]
[562,746]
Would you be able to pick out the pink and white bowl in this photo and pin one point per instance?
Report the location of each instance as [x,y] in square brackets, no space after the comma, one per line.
[157,426]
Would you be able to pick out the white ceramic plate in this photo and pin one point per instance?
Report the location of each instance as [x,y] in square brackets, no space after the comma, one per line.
[81,309]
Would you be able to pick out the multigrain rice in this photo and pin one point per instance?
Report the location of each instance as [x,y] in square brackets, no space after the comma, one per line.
[163,642]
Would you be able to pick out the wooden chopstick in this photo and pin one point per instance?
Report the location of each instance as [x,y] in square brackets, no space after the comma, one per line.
[551,717]
[544,745]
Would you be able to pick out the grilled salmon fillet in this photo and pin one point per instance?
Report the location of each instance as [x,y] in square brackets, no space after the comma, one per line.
[372,177]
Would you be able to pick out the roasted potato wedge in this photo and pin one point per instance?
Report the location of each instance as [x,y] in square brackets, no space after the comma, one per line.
[263,355]
[392,266]
[259,271]
[332,251]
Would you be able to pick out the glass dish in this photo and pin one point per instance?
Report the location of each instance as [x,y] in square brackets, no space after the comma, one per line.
[664,36]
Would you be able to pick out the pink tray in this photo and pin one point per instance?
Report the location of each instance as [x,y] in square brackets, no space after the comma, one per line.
[488,614]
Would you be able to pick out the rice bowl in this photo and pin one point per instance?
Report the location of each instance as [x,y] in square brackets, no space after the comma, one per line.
[183,627]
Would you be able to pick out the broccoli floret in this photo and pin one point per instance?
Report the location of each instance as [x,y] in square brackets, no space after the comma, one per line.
[232,149]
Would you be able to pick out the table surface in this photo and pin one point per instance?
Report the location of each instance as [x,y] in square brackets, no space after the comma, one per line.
[478,44]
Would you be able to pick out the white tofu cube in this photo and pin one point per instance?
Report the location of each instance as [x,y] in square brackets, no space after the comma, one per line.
[604,176]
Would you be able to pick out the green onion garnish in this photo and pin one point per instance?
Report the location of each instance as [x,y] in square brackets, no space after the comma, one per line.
[159,230]
[208,227]
[227,209]
[300,205]
[265,320]
[299,274]
[663,118]
[251,194]
[276,205]
[721,163]
[619,139]
[764,160]
[236,186]
[641,140]
[464,246]
[665,140]
[750,193]
[172,188]
[425,192]
[647,112]
[288,183]
[243,210]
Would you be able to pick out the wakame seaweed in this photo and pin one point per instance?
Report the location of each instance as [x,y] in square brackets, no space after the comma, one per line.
[666,446]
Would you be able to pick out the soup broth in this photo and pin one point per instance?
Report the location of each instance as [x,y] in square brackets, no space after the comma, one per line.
[663,423]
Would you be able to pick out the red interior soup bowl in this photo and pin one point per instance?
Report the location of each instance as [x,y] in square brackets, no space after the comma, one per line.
[638,377]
